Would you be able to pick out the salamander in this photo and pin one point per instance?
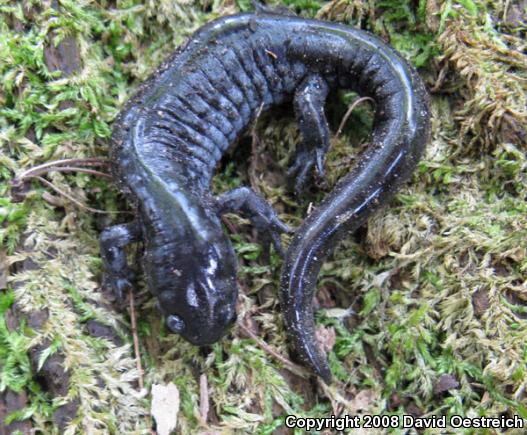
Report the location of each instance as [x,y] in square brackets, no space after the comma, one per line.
[169,137]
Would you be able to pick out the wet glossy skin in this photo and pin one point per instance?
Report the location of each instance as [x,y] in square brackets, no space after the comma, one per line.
[171,134]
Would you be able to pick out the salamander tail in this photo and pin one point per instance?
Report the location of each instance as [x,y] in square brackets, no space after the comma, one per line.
[401,131]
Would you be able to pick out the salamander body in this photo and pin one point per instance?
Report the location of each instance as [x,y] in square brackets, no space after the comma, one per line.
[169,137]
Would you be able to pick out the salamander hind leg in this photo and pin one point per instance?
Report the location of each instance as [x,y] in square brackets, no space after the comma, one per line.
[118,274]
[261,214]
[309,101]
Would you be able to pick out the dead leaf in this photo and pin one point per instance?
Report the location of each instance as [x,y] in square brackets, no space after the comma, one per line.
[362,401]
[325,337]
[445,383]
[324,297]
[165,407]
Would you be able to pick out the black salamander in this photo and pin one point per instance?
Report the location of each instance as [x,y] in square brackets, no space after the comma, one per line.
[170,135]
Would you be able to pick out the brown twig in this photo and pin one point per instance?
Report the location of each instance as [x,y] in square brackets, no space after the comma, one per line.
[65,169]
[291,366]
[232,228]
[203,398]
[72,199]
[63,165]
[39,169]
[255,145]
[135,338]
[348,113]
[256,118]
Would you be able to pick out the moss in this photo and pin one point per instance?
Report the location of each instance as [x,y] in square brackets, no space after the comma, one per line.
[435,283]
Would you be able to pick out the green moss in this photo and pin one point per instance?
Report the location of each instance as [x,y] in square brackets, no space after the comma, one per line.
[16,372]
[433,285]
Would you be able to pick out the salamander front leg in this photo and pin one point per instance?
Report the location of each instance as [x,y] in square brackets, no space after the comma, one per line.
[261,214]
[117,272]
[309,103]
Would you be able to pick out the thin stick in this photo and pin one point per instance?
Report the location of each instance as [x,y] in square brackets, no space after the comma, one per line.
[65,169]
[72,199]
[232,228]
[203,398]
[348,113]
[58,166]
[136,340]
[256,118]
[300,371]
[89,161]
[255,143]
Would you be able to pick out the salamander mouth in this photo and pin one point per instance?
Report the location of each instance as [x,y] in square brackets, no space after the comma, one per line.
[204,333]
[206,337]
[200,340]
[228,315]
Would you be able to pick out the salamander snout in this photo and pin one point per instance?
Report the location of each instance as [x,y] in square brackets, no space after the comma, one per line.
[228,315]
[197,292]
[203,332]
[201,324]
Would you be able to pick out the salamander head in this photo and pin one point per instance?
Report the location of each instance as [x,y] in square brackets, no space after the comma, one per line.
[196,289]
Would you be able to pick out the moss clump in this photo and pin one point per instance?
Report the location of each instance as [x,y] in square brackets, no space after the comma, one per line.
[433,286]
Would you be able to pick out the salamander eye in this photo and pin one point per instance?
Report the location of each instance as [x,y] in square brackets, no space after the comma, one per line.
[175,323]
